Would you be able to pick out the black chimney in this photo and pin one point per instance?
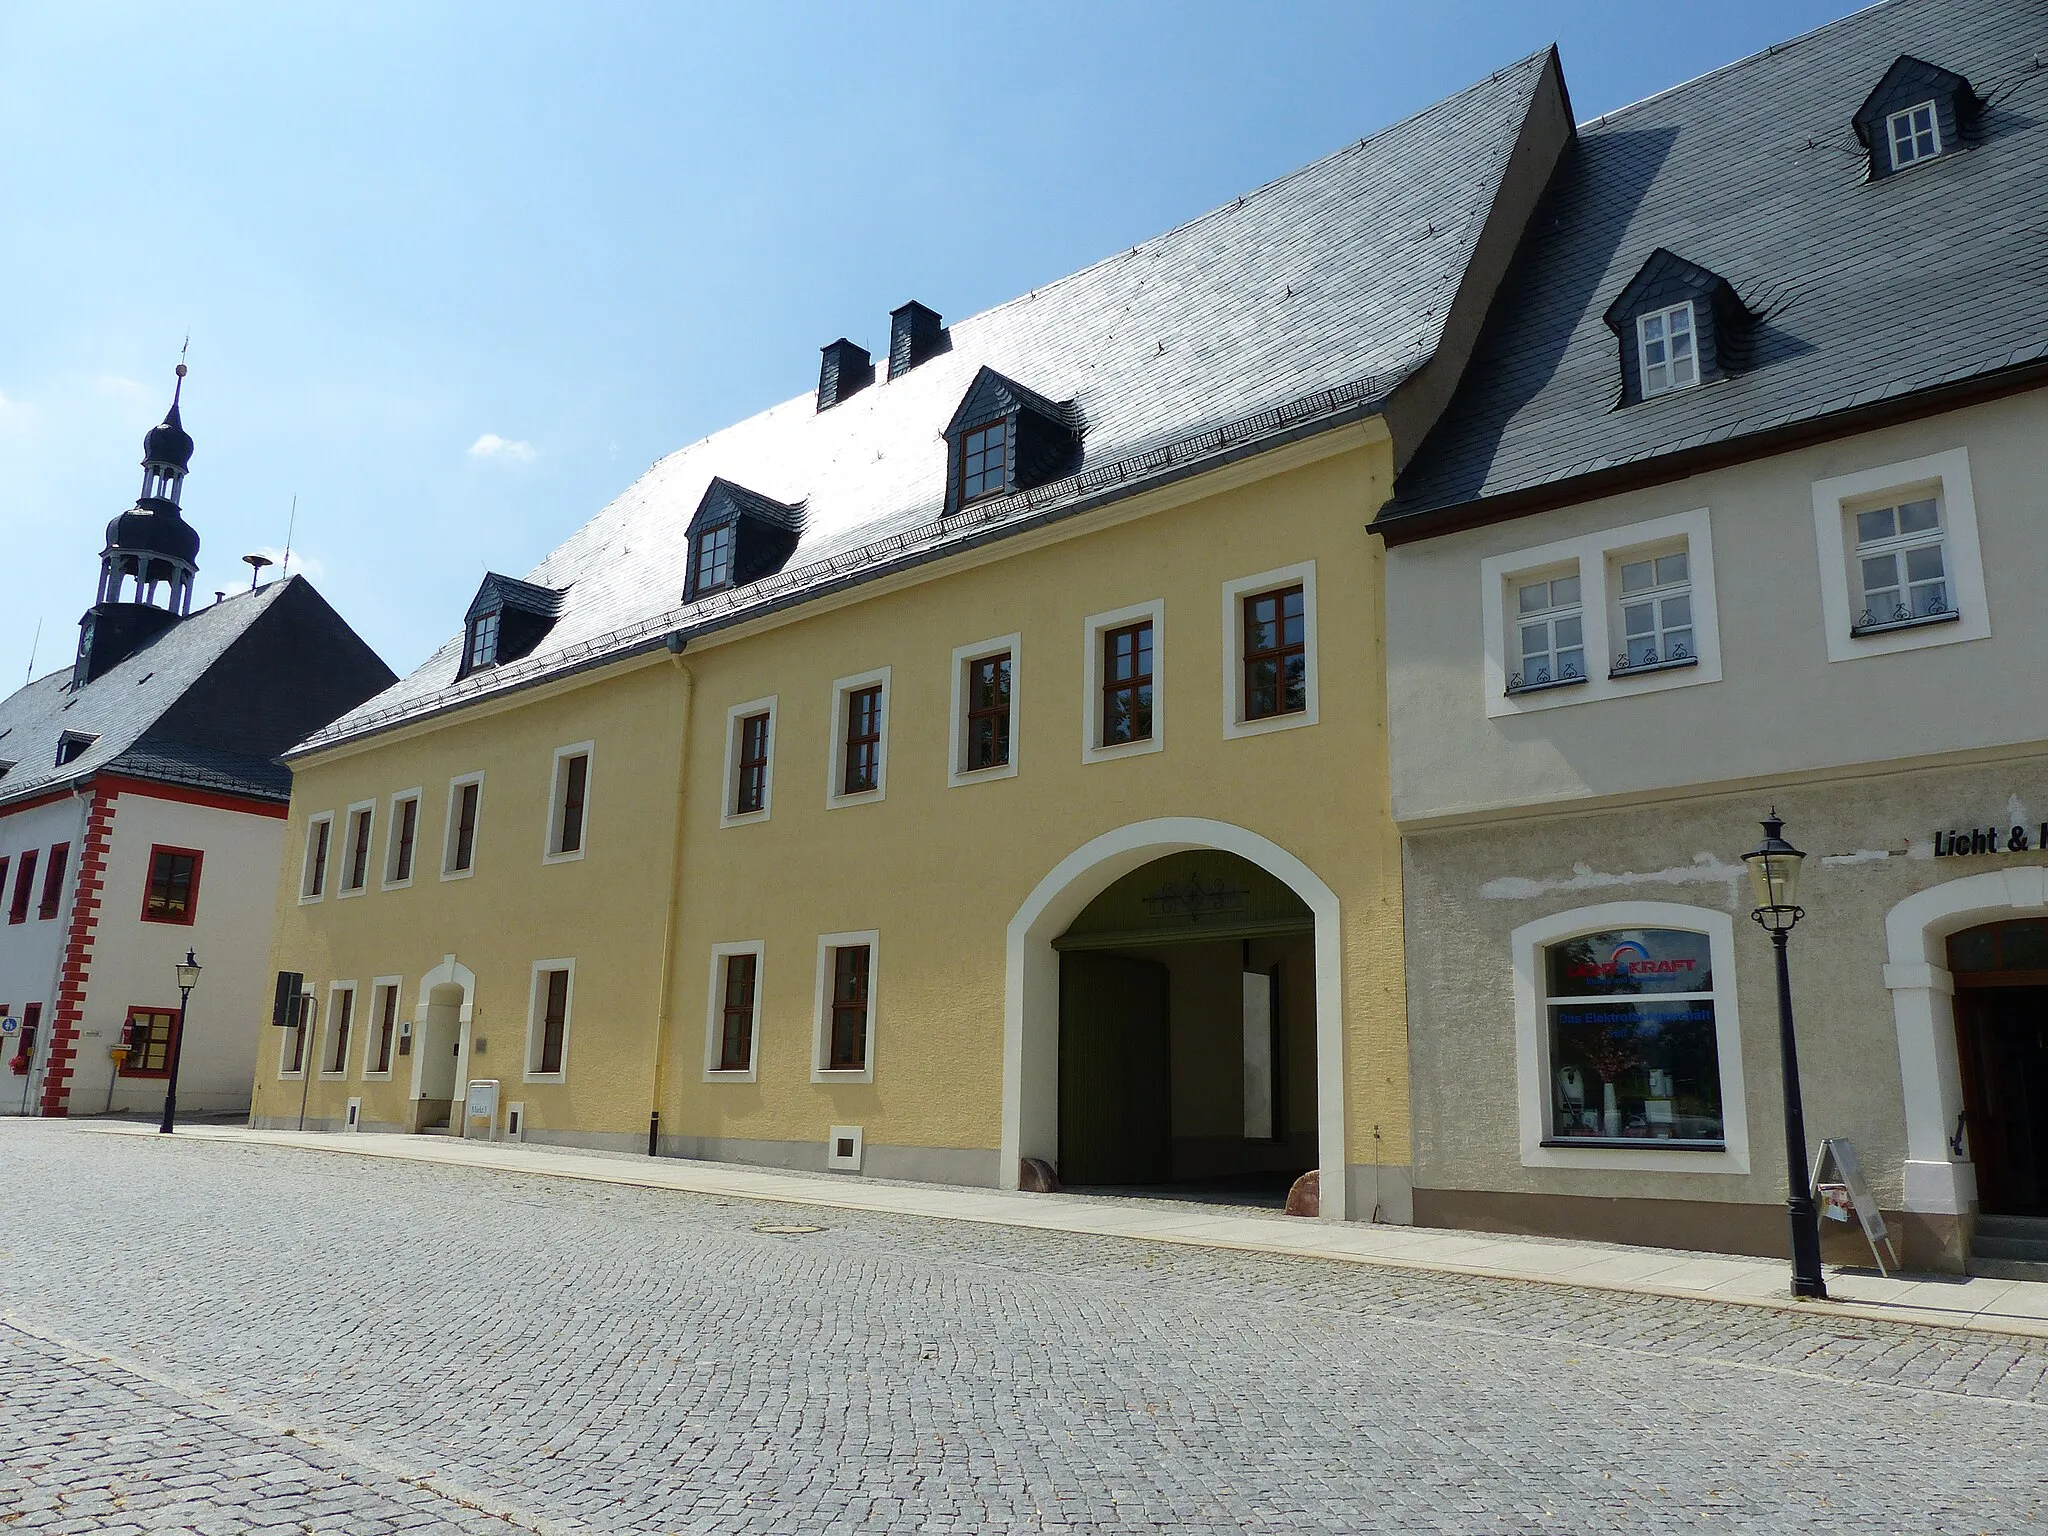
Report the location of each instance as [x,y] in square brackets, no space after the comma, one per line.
[844,370]
[915,333]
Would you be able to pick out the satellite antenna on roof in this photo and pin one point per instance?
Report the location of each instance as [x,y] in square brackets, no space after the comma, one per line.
[289,529]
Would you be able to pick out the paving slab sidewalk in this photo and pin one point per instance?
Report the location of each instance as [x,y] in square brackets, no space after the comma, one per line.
[1985,1305]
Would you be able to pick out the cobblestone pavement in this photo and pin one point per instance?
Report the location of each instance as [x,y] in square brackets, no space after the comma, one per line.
[224,1339]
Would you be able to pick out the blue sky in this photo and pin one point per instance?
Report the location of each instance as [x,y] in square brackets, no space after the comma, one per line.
[456,274]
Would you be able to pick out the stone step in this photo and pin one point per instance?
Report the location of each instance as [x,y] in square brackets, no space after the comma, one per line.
[2007,1269]
[2031,1228]
[2023,1249]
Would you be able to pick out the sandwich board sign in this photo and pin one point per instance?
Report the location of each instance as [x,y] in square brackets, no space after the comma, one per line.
[1847,1193]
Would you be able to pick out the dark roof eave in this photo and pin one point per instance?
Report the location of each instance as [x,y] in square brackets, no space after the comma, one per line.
[1639,474]
[660,638]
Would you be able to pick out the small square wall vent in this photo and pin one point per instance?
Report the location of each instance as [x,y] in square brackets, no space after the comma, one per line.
[843,1149]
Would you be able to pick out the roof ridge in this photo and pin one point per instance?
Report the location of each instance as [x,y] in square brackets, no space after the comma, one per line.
[1770,52]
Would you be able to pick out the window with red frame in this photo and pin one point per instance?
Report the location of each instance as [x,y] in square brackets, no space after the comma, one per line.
[1275,654]
[173,894]
[53,880]
[847,1047]
[24,885]
[753,776]
[736,1039]
[863,771]
[150,1032]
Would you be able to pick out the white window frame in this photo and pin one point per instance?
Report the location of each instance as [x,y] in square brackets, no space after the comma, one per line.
[335,989]
[1597,557]
[1234,593]
[307,895]
[556,807]
[473,650]
[714,1012]
[391,837]
[378,985]
[308,1005]
[448,832]
[730,788]
[342,888]
[821,1012]
[1891,134]
[1619,601]
[1093,628]
[1949,473]
[836,764]
[964,656]
[536,1014]
[1532,1039]
[1692,333]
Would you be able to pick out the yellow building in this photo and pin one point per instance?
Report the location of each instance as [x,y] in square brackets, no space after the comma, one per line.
[981,762]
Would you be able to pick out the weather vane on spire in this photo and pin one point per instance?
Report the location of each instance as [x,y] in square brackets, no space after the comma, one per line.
[187,347]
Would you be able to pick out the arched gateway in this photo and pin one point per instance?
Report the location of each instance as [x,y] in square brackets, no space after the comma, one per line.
[1031,1005]
[1970,1000]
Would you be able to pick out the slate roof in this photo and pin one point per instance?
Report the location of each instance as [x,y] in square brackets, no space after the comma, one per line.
[1868,290]
[1291,309]
[123,703]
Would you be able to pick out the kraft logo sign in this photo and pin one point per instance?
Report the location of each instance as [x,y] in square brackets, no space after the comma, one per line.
[1632,959]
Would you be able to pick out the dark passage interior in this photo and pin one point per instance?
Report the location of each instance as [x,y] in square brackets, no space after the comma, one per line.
[2001,974]
[1187,1034]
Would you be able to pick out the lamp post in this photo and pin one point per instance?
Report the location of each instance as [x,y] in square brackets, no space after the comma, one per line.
[1774,879]
[188,978]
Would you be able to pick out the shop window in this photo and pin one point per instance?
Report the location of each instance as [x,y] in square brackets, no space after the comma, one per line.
[844,1029]
[733,1025]
[173,893]
[1631,1039]
[148,1034]
[547,1035]
[53,881]
[749,787]
[567,801]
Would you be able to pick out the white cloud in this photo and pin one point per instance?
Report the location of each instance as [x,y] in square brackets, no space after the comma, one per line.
[506,450]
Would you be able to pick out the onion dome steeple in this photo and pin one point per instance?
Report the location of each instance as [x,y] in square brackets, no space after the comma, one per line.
[151,546]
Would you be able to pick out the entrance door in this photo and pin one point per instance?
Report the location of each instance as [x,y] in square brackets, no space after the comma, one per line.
[2002,1032]
[1116,1111]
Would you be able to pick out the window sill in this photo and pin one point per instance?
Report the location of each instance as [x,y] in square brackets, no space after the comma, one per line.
[988,775]
[1633,1144]
[1265,725]
[729,1074]
[175,922]
[1922,621]
[360,890]
[842,1074]
[562,858]
[1640,669]
[376,1077]
[397,885]
[1516,690]
[334,1077]
[1119,749]
[742,818]
[858,797]
[457,874]
[308,901]
[544,1077]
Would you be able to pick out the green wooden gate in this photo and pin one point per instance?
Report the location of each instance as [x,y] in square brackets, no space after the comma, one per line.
[1116,1115]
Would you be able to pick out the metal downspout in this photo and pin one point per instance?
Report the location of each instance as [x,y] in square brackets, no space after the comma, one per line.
[675,897]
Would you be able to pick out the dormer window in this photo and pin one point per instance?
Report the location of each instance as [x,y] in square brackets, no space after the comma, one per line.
[1006,438]
[1664,344]
[738,536]
[1915,134]
[1916,113]
[71,745]
[714,558]
[507,618]
[984,461]
[483,640]
[1678,325]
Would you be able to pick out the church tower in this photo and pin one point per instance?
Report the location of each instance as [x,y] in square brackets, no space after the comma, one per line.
[151,558]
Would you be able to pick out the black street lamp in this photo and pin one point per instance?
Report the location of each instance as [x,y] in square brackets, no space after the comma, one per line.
[188,978]
[1774,877]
